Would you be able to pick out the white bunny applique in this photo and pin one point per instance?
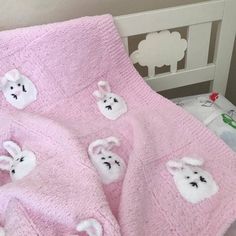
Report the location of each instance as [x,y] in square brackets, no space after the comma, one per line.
[109,165]
[110,104]
[21,162]
[193,183]
[17,89]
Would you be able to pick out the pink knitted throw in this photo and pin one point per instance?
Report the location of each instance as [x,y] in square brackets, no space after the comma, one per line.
[65,61]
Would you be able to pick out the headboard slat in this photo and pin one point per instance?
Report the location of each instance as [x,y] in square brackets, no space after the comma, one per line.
[224,46]
[181,78]
[126,43]
[198,45]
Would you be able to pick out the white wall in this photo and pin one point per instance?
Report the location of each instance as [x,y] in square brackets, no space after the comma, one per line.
[15,13]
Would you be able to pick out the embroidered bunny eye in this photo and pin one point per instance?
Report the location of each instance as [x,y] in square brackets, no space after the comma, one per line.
[105,101]
[202,179]
[19,85]
[115,100]
[117,162]
[195,172]
[110,157]
[187,177]
[13,172]
[103,158]
[22,159]
[11,87]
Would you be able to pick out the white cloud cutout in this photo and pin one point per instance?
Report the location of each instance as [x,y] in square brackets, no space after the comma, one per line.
[159,49]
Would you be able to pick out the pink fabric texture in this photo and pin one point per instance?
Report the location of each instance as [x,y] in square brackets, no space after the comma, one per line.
[65,61]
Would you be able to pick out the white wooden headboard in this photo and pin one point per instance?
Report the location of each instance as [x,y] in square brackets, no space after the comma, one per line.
[198,19]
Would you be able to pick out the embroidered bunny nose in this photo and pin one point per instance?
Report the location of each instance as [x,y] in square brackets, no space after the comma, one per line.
[18,92]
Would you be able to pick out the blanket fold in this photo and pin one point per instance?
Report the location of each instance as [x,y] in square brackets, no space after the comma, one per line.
[65,62]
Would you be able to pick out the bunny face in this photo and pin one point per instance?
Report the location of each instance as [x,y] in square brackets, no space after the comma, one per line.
[109,165]
[193,183]
[110,104]
[20,164]
[18,90]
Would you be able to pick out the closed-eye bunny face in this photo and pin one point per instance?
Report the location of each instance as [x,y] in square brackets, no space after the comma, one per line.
[109,165]
[193,183]
[20,164]
[18,90]
[110,104]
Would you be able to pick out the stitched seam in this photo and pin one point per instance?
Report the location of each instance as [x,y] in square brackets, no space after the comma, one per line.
[155,200]
[24,47]
[51,140]
[30,222]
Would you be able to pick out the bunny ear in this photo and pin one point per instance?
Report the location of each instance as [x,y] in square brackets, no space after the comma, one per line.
[12,148]
[173,166]
[192,161]
[91,226]
[5,162]
[112,141]
[12,75]
[96,147]
[3,82]
[104,87]
[99,95]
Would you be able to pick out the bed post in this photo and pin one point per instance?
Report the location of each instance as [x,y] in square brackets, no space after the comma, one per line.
[224,47]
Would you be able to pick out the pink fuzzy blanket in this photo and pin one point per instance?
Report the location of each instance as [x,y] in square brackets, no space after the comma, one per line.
[87,146]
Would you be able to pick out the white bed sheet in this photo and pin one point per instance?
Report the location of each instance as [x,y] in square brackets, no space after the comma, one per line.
[219,116]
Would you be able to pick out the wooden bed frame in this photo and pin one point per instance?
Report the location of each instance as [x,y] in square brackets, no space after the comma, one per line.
[198,18]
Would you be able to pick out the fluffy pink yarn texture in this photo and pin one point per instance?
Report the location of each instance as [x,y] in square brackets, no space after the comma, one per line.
[65,61]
